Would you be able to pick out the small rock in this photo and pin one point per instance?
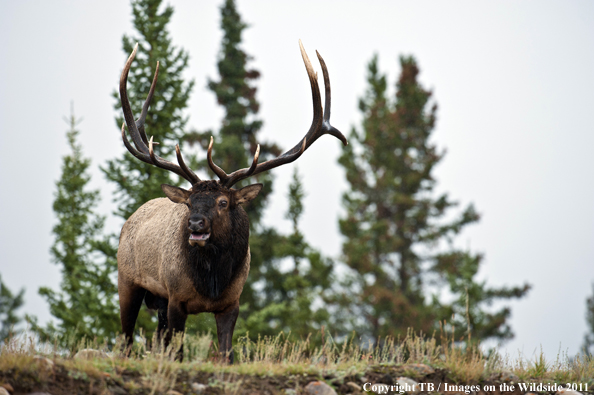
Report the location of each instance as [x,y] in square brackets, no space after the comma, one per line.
[408,385]
[567,391]
[420,368]
[354,386]
[4,391]
[7,387]
[44,362]
[198,388]
[89,353]
[290,391]
[319,388]
[174,392]
[509,377]
[117,390]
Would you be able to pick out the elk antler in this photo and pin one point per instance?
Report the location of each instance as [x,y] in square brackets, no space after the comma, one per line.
[136,128]
[320,125]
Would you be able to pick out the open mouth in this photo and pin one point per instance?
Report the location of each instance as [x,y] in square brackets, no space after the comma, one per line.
[198,238]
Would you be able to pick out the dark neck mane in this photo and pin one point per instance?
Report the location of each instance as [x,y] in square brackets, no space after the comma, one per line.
[213,266]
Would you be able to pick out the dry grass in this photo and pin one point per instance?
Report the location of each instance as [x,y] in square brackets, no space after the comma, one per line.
[153,370]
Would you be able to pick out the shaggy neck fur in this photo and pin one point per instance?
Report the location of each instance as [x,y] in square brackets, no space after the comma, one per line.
[213,266]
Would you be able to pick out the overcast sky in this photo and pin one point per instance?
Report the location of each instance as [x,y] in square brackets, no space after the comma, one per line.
[514,82]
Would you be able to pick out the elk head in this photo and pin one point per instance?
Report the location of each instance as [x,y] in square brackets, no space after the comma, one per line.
[212,209]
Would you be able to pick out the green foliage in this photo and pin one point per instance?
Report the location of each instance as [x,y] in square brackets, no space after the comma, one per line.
[295,283]
[395,228]
[274,298]
[234,146]
[85,305]
[9,304]
[137,182]
[236,140]
[588,347]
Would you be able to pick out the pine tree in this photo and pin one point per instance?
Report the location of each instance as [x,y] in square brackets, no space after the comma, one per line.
[234,147]
[297,279]
[588,347]
[395,228]
[137,182]
[273,299]
[236,140]
[85,306]
[9,304]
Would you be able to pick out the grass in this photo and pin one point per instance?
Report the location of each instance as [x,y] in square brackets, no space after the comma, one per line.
[276,363]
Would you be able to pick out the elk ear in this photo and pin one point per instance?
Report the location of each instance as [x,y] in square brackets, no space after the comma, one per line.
[248,193]
[176,194]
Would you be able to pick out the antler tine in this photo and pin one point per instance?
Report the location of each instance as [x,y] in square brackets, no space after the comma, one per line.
[127,109]
[184,167]
[245,173]
[147,102]
[136,128]
[320,125]
[151,152]
[229,180]
[327,95]
[148,158]
[216,169]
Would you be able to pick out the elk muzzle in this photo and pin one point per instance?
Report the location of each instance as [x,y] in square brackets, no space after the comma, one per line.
[199,227]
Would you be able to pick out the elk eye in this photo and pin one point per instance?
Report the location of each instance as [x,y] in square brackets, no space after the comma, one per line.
[223,203]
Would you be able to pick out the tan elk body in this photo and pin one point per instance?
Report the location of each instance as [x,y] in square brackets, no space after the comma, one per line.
[189,253]
[159,267]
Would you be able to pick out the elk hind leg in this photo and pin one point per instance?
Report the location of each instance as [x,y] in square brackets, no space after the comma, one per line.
[131,298]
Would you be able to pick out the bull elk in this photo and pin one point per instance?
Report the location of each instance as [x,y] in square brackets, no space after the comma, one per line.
[189,253]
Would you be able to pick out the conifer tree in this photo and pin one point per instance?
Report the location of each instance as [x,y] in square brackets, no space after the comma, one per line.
[234,146]
[9,304]
[85,306]
[395,226]
[236,140]
[588,347]
[273,299]
[298,277]
[138,182]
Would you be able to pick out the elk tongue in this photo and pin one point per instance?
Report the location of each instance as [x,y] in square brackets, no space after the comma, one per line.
[198,238]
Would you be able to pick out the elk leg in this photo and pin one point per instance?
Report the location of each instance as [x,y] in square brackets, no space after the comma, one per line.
[163,317]
[225,326]
[176,315]
[131,298]
[158,303]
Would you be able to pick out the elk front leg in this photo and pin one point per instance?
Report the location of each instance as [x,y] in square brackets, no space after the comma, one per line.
[225,326]
[176,317]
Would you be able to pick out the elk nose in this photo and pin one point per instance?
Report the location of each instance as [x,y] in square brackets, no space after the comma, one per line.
[198,223]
